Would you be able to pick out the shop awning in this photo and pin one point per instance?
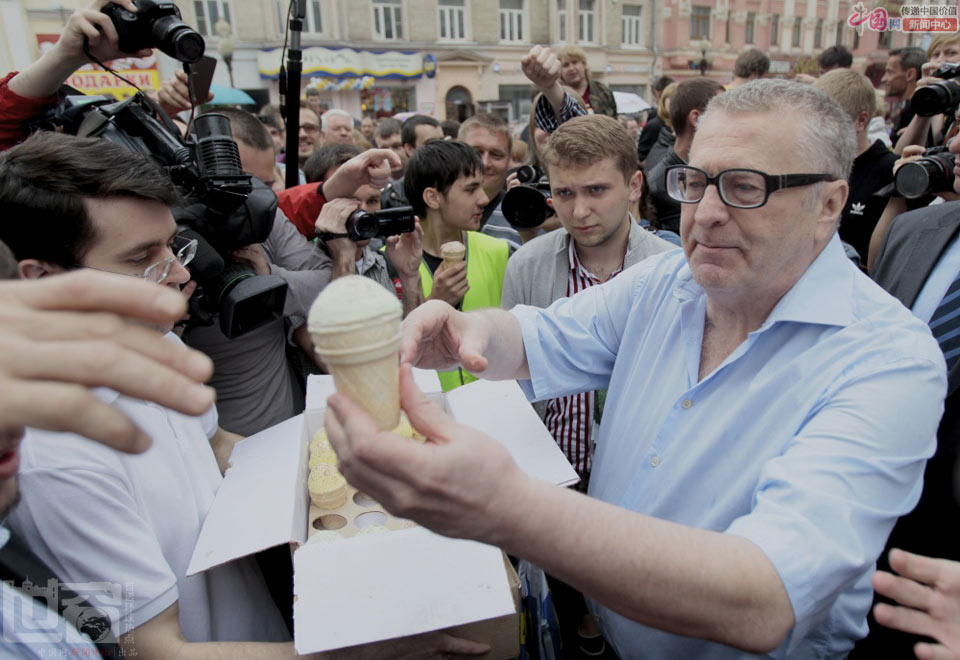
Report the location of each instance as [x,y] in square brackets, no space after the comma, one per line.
[347,63]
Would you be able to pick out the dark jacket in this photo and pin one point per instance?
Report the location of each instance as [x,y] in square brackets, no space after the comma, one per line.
[665,140]
[601,99]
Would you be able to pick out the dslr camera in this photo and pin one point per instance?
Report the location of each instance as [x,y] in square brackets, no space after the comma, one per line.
[363,225]
[939,97]
[156,25]
[527,206]
[931,174]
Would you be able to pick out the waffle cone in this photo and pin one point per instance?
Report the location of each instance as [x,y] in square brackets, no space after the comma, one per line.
[452,253]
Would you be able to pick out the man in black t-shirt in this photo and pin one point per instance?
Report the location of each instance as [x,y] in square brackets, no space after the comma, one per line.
[900,79]
[873,166]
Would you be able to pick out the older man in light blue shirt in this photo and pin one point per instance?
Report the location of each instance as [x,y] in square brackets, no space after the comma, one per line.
[769,415]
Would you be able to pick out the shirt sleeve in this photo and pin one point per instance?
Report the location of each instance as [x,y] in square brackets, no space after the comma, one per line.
[298,262]
[86,527]
[15,110]
[823,509]
[571,346]
[546,119]
[301,205]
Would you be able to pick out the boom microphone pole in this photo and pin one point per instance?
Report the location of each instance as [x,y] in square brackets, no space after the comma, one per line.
[290,92]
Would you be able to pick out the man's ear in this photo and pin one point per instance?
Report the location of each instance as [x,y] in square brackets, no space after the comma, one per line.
[693,118]
[409,149]
[636,186]
[861,121]
[911,75]
[432,198]
[34,269]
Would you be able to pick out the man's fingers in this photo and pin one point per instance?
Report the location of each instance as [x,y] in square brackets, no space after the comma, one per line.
[925,651]
[425,415]
[451,644]
[59,407]
[903,590]
[89,290]
[903,618]
[916,567]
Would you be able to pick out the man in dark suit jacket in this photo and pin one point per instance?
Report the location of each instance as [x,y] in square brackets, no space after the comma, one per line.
[922,247]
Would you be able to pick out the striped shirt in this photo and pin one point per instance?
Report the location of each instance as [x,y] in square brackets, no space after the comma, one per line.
[570,418]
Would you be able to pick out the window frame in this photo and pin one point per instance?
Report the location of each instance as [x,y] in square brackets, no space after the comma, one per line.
[207,27]
[631,23]
[588,16]
[517,18]
[463,9]
[700,19]
[750,28]
[396,15]
[775,30]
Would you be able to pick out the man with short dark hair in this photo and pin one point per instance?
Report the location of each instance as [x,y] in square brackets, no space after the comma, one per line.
[900,79]
[387,136]
[751,64]
[835,57]
[445,182]
[686,106]
[368,126]
[415,132]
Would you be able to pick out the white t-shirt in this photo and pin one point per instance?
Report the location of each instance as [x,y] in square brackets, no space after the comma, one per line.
[97,515]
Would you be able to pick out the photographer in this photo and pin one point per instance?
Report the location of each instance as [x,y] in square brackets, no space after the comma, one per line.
[25,94]
[926,131]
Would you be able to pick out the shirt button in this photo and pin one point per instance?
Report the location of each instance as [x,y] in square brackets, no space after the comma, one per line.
[687,404]
[655,461]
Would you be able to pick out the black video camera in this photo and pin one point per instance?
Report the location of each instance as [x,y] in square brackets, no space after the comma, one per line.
[156,25]
[931,174]
[363,225]
[941,96]
[223,208]
[527,206]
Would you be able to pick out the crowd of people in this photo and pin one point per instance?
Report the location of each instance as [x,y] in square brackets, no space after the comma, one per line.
[740,330]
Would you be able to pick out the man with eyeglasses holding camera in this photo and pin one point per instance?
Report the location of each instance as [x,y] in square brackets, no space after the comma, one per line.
[768,417]
[94,514]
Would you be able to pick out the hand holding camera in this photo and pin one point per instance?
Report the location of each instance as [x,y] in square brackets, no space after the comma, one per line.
[331,227]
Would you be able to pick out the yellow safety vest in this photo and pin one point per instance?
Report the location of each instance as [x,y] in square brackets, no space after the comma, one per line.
[486,263]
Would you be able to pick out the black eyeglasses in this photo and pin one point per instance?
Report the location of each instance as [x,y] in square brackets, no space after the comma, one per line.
[739,188]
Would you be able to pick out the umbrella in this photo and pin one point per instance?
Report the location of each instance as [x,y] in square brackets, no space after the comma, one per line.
[223,95]
[628,104]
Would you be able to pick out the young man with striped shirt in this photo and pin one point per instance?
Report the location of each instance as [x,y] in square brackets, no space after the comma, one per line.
[594,176]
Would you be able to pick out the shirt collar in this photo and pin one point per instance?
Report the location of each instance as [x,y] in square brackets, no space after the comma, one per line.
[366,261]
[823,294]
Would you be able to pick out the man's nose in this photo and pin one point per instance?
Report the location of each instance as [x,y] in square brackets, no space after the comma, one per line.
[711,208]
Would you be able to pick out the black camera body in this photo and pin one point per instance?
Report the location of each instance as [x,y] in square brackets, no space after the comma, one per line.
[363,225]
[156,25]
[223,207]
[527,206]
[939,97]
[930,174]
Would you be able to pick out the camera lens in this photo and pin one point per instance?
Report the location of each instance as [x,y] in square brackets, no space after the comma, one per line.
[936,98]
[362,225]
[177,39]
[525,208]
[526,174]
[930,174]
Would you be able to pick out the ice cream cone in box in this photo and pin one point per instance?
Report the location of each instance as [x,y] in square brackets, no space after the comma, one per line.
[355,326]
[452,253]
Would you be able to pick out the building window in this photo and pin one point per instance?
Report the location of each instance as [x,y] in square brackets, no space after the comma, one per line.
[208,13]
[797,33]
[450,13]
[700,23]
[586,18]
[632,30]
[775,29]
[750,27]
[511,20]
[387,20]
[561,20]
[818,34]
[883,39]
[312,22]
[840,33]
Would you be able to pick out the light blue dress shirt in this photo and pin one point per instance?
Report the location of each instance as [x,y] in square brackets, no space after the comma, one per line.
[809,440]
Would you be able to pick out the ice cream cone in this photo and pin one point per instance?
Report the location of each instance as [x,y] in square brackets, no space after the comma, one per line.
[355,325]
[452,253]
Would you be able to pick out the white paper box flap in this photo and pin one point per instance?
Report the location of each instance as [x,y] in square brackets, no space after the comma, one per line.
[320,387]
[371,588]
[500,409]
[261,502]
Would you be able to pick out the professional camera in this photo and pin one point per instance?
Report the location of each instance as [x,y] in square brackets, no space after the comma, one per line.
[363,225]
[223,208]
[938,97]
[155,25]
[527,205]
[933,173]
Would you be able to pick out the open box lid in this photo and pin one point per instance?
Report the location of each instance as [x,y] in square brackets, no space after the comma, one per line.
[367,589]
[263,500]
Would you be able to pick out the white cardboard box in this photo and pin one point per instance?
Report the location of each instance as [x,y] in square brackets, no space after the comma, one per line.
[372,588]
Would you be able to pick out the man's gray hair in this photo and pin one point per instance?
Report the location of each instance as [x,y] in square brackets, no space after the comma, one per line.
[828,143]
[334,113]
